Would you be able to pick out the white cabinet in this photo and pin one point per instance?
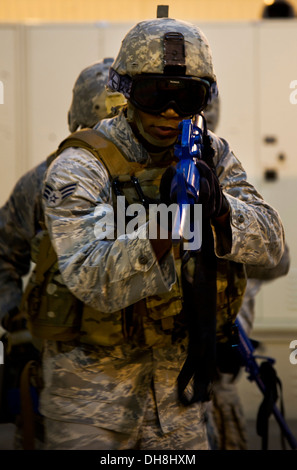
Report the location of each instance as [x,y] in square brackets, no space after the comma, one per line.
[55,55]
[276,135]
[255,65]
[233,49]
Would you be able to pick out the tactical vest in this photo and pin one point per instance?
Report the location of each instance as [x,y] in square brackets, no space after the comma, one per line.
[53,312]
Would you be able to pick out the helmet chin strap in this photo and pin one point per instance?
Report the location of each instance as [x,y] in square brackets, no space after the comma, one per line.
[134,118]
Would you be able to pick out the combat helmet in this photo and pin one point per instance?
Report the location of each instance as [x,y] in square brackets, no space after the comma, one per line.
[162,47]
[91,101]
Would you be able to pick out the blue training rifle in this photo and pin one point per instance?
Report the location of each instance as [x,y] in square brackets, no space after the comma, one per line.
[186,182]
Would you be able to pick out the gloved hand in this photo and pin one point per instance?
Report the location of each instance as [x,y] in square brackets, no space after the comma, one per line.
[211,196]
[165,186]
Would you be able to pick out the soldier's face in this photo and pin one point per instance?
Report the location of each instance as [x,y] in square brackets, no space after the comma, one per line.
[162,127]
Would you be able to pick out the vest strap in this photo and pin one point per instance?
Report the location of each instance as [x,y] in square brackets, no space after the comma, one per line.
[107,152]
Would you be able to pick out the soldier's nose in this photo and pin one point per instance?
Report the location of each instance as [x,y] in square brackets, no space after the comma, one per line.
[170,113]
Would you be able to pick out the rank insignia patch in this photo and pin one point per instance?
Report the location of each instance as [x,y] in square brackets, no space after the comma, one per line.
[55,196]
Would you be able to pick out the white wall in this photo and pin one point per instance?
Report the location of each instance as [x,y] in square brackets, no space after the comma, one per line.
[39,64]
[10,134]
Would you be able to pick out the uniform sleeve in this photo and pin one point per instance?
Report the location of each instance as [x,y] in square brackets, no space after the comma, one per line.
[18,218]
[104,269]
[257,230]
[269,274]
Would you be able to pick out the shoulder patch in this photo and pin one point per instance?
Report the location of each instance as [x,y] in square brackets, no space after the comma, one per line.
[55,196]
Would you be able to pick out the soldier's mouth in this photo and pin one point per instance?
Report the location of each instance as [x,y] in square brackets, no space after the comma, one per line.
[166,131]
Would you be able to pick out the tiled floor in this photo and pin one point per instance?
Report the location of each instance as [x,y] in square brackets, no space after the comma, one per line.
[6,436]
[274,438]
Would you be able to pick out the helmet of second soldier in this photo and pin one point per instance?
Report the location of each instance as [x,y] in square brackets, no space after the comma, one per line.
[91,101]
[146,50]
[212,114]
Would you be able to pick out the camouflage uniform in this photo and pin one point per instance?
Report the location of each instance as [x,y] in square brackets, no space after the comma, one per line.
[19,219]
[108,386]
[212,113]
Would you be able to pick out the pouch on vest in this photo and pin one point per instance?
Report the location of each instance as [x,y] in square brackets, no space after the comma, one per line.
[52,311]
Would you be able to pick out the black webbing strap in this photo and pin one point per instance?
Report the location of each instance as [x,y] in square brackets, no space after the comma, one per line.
[200,309]
[272,383]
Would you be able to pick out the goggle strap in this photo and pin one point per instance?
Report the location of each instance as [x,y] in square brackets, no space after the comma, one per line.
[119,83]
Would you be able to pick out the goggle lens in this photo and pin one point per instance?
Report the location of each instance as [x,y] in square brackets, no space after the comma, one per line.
[187,95]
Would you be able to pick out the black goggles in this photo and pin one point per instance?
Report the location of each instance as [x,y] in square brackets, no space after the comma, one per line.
[155,93]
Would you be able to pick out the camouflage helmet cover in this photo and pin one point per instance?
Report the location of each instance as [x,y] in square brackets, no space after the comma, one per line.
[142,49]
[212,113]
[91,102]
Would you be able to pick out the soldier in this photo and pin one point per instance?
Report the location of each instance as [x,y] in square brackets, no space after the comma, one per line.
[20,220]
[21,215]
[114,386]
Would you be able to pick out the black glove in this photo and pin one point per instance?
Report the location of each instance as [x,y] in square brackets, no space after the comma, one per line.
[211,196]
[165,186]
[214,203]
